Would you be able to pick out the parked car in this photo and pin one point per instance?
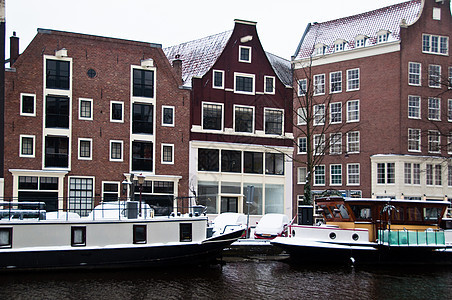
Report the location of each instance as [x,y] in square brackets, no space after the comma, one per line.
[271,226]
[227,222]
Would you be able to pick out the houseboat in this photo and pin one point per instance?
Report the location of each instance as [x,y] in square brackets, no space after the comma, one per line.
[373,231]
[118,234]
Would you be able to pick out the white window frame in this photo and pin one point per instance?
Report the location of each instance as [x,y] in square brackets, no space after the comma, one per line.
[253,121]
[302,84]
[350,80]
[111,112]
[315,177]
[253,76]
[434,77]
[318,77]
[122,151]
[250,54]
[21,145]
[173,108]
[331,82]
[337,113]
[413,77]
[90,140]
[222,79]
[265,84]
[319,118]
[450,78]
[382,36]
[113,183]
[222,116]
[34,105]
[439,37]
[339,46]
[80,100]
[360,41]
[350,142]
[299,142]
[301,180]
[318,144]
[335,142]
[431,115]
[449,143]
[301,111]
[414,141]
[172,154]
[349,174]
[449,110]
[431,141]
[282,123]
[349,120]
[331,175]
[414,108]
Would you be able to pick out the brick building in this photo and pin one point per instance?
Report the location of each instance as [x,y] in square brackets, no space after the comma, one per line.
[241,129]
[380,82]
[83,113]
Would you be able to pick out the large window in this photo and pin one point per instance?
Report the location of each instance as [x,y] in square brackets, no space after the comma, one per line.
[253,162]
[319,84]
[335,113]
[81,195]
[56,152]
[414,107]
[434,109]
[142,156]
[335,174]
[273,121]
[414,73]
[244,83]
[319,175]
[353,174]
[319,144]
[231,161]
[353,111]
[143,83]
[353,80]
[212,116]
[335,143]
[57,74]
[336,82]
[243,119]
[434,76]
[386,173]
[57,112]
[414,140]
[435,44]
[274,163]
[353,142]
[142,118]
[208,160]
[319,114]
[434,141]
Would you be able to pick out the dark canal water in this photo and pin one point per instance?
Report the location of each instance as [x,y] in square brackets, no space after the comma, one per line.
[236,280]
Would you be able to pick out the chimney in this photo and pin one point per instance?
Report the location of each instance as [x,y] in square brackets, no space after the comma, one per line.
[177,66]
[13,48]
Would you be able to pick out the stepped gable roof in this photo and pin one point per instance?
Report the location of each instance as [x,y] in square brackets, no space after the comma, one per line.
[367,24]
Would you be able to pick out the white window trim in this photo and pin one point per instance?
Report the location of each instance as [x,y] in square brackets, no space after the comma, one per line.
[359,80]
[331,112]
[20,145]
[385,36]
[348,143]
[359,115]
[439,141]
[163,110]
[333,144]
[253,122]
[111,111]
[90,148]
[282,125]
[450,78]
[324,85]
[321,123]
[222,79]
[331,175]
[439,44]
[410,117]
[449,141]
[222,117]
[439,75]
[172,154]
[145,68]
[240,51]
[320,147]
[80,109]
[300,92]
[122,151]
[439,108]
[359,175]
[408,140]
[299,181]
[420,73]
[253,76]
[265,85]
[449,108]
[34,105]
[301,111]
[331,83]
[324,176]
[111,182]
[298,145]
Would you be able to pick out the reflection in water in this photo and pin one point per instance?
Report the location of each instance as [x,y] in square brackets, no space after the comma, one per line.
[235,280]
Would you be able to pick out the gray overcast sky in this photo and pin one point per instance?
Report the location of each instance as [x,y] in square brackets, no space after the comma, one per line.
[280,24]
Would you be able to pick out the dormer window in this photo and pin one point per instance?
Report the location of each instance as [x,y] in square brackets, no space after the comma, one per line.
[319,49]
[245,54]
[382,36]
[360,41]
[339,45]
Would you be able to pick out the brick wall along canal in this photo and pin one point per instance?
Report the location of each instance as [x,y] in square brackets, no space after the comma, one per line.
[249,279]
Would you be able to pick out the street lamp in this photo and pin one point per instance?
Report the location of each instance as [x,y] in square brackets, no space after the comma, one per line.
[141,179]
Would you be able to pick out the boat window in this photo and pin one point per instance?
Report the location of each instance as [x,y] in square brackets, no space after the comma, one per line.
[362,212]
[139,234]
[78,236]
[326,211]
[432,213]
[343,211]
[185,232]
[6,237]
[335,211]
[413,214]
[397,214]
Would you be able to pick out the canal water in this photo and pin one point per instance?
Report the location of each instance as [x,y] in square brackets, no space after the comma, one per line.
[245,279]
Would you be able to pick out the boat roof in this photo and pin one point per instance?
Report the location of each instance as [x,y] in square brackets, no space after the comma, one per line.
[385,200]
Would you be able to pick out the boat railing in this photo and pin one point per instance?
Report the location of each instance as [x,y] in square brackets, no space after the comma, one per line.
[429,237]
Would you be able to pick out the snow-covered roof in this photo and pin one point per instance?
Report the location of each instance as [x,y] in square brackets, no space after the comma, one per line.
[281,67]
[364,25]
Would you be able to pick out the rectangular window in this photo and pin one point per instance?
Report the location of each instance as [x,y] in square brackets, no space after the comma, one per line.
[416,173]
[434,109]
[450,78]
[336,143]
[414,73]
[414,140]
[167,154]
[56,152]
[142,156]
[274,163]
[353,111]
[319,114]
[244,83]
[438,175]
[449,110]
[353,142]
[253,162]
[434,141]
[435,44]
[185,230]
[319,84]
[208,160]
[243,119]
[390,173]
[116,150]
[168,116]
[85,149]
[449,143]
[335,174]
[353,174]
[231,161]
[57,112]
[6,237]
[381,173]
[302,87]
[116,111]
[407,173]
[143,118]
[245,54]
[110,191]
[212,116]
[434,76]
[302,145]
[449,175]
[353,80]
[301,116]
[57,74]
[319,144]
[27,146]
[429,174]
[139,234]
[336,82]
[85,109]
[273,121]
[81,195]
[319,175]
[301,175]
[28,105]
[386,173]
[414,107]
[336,113]
[269,87]
[143,83]
[78,236]
[218,79]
